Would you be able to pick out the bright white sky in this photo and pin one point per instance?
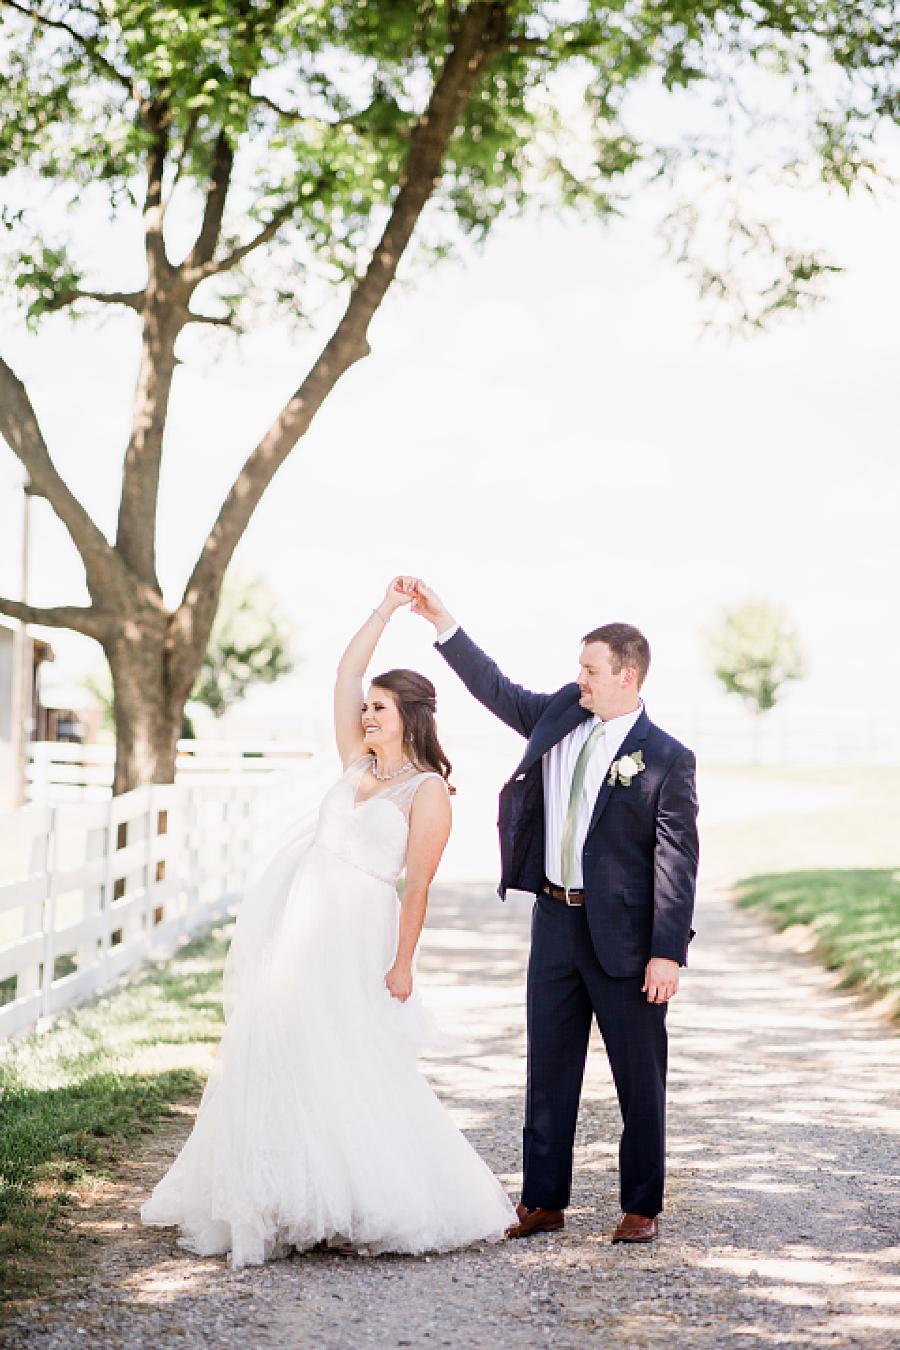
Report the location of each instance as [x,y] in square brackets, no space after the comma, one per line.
[545,436]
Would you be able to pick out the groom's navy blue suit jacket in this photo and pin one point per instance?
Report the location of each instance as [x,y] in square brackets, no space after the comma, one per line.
[640,854]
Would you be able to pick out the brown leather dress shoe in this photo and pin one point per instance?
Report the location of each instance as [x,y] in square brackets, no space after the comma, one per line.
[635,1228]
[537,1220]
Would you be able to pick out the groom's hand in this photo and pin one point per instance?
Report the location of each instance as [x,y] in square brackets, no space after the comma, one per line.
[431,607]
[660,980]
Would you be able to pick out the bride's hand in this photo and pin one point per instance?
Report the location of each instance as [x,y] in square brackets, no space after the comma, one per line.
[399,982]
[400,592]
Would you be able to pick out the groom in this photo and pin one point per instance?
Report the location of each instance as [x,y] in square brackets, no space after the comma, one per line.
[599,820]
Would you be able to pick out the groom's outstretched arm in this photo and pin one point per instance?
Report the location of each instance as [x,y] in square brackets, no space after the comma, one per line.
[519,708]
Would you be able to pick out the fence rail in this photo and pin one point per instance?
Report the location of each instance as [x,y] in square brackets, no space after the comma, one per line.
[62,771]
[91,889]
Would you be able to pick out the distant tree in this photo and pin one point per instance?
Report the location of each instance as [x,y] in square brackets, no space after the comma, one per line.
[250,644]
[755,651]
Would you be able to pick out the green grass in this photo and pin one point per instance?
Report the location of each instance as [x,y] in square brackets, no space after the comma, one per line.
[817,847]
[74,1099]
[854,916]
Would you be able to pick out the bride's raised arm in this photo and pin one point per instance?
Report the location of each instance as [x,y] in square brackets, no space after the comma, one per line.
[348,684]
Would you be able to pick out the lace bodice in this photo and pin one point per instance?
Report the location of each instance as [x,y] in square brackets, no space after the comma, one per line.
[370,834]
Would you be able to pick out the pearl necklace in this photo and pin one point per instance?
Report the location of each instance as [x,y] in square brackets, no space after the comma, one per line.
[384,777]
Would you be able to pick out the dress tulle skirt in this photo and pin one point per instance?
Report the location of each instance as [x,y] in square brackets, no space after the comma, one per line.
[316,1123]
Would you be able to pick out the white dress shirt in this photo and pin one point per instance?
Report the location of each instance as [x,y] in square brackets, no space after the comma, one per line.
[558,766]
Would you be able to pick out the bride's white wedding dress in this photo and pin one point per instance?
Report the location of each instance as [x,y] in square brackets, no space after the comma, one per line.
[315,1123]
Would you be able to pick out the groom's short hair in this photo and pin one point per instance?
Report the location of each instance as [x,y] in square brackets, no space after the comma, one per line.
[627,646]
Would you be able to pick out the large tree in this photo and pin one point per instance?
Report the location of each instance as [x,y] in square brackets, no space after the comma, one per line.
[308,140]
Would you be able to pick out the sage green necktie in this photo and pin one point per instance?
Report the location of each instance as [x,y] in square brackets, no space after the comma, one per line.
[567,851]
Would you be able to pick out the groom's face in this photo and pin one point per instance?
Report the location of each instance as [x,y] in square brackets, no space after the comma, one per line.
[602,689]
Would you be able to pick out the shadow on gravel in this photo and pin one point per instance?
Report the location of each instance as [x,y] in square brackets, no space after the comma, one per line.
[783,1203]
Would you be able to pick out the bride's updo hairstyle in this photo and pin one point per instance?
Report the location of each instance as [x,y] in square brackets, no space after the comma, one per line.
[417,703]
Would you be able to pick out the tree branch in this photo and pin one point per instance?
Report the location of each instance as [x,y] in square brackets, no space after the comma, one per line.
[291,114]
[538,47]
[211,227]
[237,255]
[164,313]
[20,428]
[479,38]
[133,299]
[154,117]
[216,320]
[85,620]
[89,44]
[294,115]
[187,142]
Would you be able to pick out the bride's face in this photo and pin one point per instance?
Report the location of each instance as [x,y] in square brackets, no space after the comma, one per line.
[381,722]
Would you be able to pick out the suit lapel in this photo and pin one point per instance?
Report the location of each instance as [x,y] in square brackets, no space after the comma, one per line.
[549,736]
[636,736]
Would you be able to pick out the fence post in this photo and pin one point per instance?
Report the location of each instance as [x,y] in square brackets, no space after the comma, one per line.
[106,890]
[189,856]
[150,864]
[30,979]
[53,870]
[96,847]
[37,786]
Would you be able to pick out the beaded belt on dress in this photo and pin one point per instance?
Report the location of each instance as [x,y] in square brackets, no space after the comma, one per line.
[390,881]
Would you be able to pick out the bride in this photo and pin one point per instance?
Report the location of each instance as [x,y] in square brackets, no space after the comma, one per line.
[315,1125]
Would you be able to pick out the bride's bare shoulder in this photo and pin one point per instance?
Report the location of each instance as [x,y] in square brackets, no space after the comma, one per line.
[430,793]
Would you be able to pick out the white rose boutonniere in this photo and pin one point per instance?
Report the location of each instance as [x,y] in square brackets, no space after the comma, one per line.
[625,769]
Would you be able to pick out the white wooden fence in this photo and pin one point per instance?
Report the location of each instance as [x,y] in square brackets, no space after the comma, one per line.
[90,889]
[60,771]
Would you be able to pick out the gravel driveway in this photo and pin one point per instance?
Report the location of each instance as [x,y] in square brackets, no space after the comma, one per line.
[782,1225]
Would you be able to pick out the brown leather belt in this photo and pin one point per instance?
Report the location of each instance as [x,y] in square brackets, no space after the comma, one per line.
[575,898]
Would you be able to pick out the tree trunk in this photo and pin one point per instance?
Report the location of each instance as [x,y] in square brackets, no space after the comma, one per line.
[136,531]
[148,713]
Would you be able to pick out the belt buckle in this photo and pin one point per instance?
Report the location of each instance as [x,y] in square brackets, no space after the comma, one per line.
[571,903]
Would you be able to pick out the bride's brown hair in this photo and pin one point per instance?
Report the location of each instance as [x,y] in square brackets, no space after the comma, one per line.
[417,703]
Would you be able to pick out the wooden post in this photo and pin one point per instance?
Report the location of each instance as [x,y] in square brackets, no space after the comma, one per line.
[22,667]
[53,870]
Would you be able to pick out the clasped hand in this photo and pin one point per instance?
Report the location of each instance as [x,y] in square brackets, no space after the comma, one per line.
[400,592]
[412,591]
